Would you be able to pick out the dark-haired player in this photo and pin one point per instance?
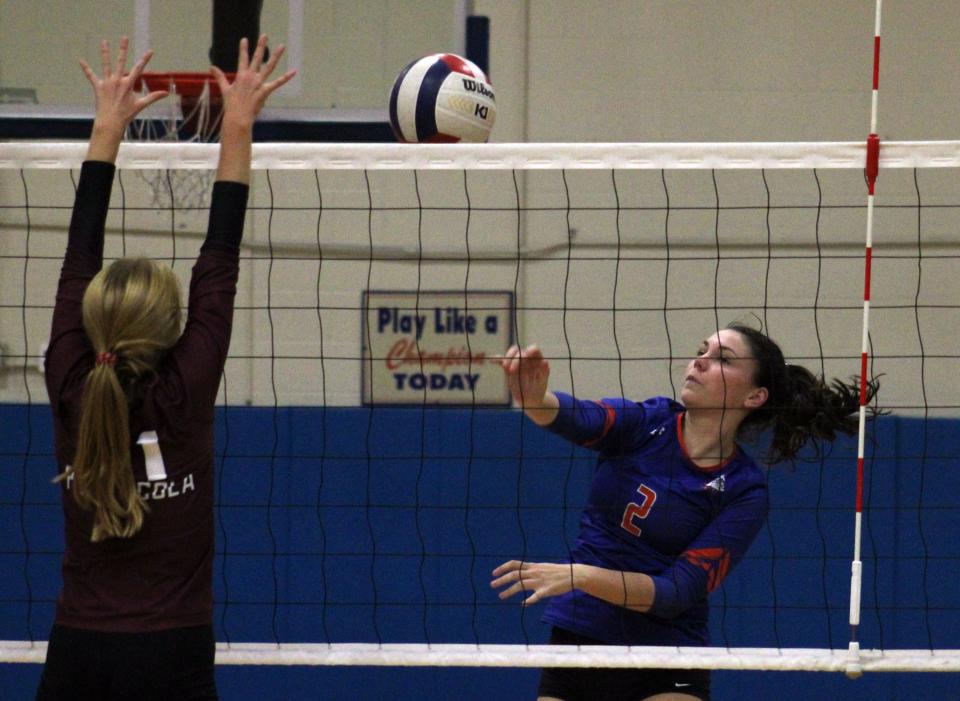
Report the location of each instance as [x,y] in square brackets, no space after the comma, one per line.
[674,505]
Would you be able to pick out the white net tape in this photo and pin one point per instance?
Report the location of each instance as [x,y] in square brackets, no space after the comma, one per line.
[599,656]
[280,156]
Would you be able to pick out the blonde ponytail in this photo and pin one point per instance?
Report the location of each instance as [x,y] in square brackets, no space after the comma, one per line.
[131,313]
[103,481]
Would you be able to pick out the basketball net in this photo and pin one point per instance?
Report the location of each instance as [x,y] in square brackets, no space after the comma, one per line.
[193,115]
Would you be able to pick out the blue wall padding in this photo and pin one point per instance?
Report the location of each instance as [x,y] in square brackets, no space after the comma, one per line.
[352,524]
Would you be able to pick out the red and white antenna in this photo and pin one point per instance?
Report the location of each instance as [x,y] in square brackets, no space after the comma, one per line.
[854,668]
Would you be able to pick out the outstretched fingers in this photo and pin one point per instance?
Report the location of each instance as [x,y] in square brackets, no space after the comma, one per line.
[272,85]
[541,579]
[272,62]
[119,73]
[134,77]
[243,96]
[278,82]
[222,81]
[510,575]
[139,65]
[87,71]
[150,98]
[243,59]
[116,100]
[266,69]
[250,88]
[257,61]
[122,55]
[509,566]
[105,58]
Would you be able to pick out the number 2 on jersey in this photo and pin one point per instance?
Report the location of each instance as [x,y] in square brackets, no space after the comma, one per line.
[638,511]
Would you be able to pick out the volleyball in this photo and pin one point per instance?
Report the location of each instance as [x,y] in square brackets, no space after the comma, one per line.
[442,98]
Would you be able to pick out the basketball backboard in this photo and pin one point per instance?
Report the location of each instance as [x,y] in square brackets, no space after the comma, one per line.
[347,54]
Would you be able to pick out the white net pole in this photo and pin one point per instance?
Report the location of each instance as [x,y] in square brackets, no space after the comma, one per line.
[871,168]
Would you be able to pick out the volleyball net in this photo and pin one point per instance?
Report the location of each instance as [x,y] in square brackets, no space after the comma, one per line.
[370,472]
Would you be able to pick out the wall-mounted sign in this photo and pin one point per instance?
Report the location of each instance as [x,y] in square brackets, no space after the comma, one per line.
[435,347]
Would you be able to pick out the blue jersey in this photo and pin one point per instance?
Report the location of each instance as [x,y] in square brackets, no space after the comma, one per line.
[652,510]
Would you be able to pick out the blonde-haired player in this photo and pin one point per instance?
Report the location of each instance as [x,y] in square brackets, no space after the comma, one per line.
[133,401]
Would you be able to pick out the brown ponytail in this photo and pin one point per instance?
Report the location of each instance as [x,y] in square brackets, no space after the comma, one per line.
[801,408]
[131,313]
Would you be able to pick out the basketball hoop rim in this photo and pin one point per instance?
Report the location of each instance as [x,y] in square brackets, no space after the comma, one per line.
[183,83]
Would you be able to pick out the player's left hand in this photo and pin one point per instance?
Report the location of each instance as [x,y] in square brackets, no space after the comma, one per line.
[544,579]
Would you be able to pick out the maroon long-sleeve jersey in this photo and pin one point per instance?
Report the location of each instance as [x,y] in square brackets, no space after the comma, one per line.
[161,577]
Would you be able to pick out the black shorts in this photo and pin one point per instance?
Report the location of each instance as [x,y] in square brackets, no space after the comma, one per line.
[86,665]
[580,684]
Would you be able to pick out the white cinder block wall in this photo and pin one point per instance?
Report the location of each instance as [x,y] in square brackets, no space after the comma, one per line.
[563,71]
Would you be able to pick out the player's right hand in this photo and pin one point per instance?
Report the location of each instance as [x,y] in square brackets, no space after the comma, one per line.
[528,373]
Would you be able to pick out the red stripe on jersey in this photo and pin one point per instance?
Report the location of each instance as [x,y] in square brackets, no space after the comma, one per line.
[683,448]
[608,420]
[714,561]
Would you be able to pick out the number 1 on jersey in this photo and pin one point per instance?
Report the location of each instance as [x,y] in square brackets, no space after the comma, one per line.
[638,511]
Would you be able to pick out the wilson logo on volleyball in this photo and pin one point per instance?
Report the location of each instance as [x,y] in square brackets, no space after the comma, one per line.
[478,87]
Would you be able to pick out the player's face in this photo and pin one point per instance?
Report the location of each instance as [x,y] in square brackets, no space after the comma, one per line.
[721,374]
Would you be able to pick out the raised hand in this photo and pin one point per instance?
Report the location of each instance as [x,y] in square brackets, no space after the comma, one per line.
[543,579]
[528,374]
[116,101]
[246,95]
[242,102]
